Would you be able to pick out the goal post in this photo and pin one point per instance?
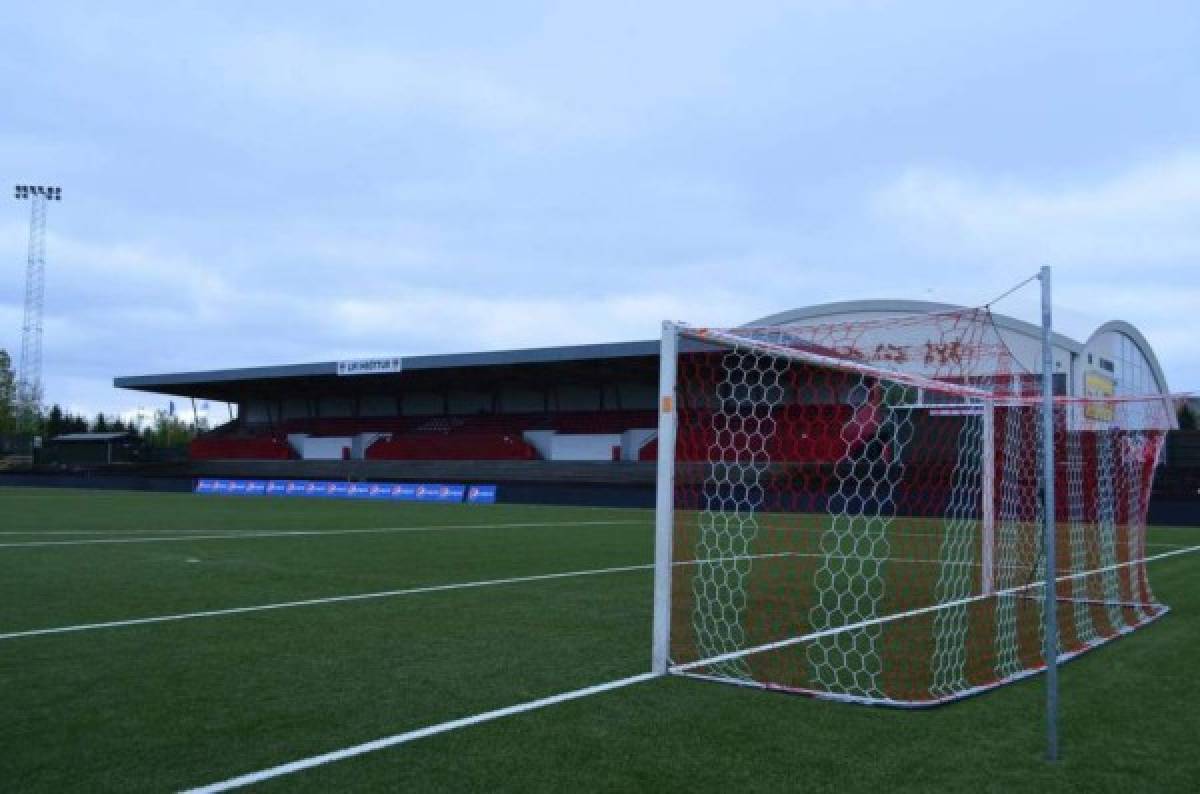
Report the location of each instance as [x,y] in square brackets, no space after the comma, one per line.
[665,497]
[855,511]
[987,499]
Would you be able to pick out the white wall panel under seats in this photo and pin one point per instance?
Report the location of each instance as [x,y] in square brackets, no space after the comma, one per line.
[326,447]
[542,441]
[633,440]
[363,442]
[584,447]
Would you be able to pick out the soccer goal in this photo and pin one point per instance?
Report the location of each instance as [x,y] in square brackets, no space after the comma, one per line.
[856,510]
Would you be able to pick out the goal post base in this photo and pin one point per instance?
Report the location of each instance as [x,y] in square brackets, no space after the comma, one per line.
[816,694]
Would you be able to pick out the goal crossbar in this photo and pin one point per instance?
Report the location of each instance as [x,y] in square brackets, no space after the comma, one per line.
[832,362]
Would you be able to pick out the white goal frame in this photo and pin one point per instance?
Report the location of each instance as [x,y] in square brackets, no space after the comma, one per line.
[672,336]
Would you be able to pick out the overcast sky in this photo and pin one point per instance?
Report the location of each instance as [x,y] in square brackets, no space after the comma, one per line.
[260,183]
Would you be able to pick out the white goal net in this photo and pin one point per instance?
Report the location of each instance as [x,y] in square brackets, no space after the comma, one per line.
[856,510]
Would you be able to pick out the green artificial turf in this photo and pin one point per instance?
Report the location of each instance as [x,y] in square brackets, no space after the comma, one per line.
[170,705]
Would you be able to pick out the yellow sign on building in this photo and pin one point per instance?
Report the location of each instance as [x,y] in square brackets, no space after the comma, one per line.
[1097,385]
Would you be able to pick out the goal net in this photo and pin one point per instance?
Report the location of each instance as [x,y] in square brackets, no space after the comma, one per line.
[856,510]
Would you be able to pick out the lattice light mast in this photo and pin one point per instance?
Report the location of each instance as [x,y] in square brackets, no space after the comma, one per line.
[29,373]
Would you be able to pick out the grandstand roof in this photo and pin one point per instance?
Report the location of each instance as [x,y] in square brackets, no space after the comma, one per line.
[224,383]
[540,365]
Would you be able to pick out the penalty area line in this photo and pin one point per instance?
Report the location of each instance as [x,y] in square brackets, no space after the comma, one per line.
[420,733]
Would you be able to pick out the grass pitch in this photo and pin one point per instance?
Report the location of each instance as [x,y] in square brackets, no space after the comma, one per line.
[166,706]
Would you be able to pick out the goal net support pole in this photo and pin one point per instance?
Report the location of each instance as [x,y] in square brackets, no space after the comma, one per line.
[1049,523]
[664,514]
[987,494]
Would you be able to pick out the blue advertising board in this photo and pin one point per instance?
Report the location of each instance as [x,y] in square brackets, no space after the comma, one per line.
[333,489]
[481,494]
[440,493]
[337,490]
[403,492]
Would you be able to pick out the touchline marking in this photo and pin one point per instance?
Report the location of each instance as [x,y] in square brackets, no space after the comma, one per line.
[420,733]
[289,533]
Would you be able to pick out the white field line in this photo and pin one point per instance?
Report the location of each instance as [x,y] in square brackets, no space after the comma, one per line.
[772,646]
[293,533]
[238,532]
[433,730]
[121,532]
[420,733]
[307,602]
[624,514]
[207,534]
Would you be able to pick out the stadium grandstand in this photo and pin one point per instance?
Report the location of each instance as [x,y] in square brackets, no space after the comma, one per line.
[574,415]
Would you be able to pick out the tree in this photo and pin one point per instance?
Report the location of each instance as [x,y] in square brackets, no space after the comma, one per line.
[8,394]
[168,431]
[55,422]
[100,425]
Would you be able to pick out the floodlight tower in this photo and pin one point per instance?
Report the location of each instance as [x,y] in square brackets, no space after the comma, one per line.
[29,373]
